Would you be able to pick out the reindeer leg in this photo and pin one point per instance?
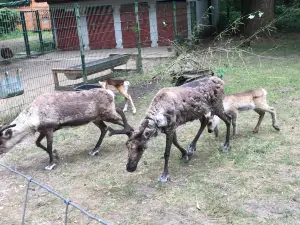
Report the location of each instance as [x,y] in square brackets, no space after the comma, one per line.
[52,162]
[51,154]
[272,111]
[132,105]
[169,139]
[128,97]
[192,147]
[234,116]
[181,149]
[216,131]
[122,122]
[227,119]
[261,116]
[103,129]
[126,105]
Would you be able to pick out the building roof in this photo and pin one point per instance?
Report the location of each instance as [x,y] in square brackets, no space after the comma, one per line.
[15,3]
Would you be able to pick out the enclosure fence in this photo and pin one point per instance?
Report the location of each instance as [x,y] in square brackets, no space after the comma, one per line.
[60,47]
[57,48]
[67,201]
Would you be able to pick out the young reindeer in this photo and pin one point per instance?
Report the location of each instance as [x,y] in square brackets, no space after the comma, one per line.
[122,87]
[53,111]
[255,99]
[172,107]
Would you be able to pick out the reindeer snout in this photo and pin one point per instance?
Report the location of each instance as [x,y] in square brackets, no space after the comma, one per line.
[131,167]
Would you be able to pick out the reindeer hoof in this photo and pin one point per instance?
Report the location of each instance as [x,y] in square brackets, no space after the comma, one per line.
[277,128]
[134,111]
[226,148]
[50,167]
[94,152]
[163,179]
[185,157]
[109,133]
[255,131]
[191,150]
[124,110]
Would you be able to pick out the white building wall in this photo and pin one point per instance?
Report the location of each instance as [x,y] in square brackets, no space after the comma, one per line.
[117,25]
[85,33]
[153,24]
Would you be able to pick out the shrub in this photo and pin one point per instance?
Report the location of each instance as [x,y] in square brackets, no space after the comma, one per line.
[9,19]
[289,17]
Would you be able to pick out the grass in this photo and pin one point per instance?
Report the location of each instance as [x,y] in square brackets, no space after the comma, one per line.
[19,34]
[257,182]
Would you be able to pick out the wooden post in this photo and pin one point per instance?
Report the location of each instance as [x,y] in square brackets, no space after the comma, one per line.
[82,55]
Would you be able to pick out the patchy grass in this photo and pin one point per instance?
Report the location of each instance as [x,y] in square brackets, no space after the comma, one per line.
[19,34]
[258,182]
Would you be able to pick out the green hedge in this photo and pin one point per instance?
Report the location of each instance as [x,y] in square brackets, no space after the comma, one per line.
[9,19]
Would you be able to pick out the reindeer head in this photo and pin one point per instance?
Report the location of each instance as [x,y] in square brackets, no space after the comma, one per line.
[212,122]
[5,135]
[137,143]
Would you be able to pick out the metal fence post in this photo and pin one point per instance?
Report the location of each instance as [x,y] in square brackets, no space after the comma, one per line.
[53,28]
[193,15]
[174,20]
[138,34]
[25,35]
[37,16]
[82,54]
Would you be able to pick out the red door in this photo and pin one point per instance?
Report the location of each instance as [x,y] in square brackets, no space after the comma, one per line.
[100,22]
[66,29]
[165,26]
[128,25]
[181,18]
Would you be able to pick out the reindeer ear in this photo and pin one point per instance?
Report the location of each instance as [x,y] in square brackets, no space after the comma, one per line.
[8,133]
[142,128]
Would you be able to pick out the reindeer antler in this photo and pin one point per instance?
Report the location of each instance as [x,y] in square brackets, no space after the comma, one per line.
[4,127]
[127,128]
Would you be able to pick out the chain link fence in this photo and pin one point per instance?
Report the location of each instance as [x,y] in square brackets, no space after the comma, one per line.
[44,50]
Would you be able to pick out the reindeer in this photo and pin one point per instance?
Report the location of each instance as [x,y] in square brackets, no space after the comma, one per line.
[122,87]
[255,99]
[172,107]
[53,111]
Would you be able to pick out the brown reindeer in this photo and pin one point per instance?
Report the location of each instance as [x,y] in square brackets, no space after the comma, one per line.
[122,87]
[255,99]
[53,111]
[172,107]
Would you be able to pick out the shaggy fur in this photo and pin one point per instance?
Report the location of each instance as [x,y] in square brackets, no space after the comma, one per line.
[175,106]
[53,111]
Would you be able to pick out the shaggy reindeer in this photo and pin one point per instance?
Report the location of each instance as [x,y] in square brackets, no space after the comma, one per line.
[122,87]
[53,111]
[175,106]
[255,99]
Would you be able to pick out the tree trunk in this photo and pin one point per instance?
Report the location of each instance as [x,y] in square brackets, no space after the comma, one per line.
[251,6]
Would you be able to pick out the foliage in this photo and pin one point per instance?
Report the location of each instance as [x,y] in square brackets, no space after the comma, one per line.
[290,17]
[9,19]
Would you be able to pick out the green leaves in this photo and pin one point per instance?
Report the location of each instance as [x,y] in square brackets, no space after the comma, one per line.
[252,15]
[220,73]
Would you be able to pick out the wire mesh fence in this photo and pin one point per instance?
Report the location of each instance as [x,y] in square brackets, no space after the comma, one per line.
[45,49]
[68,203]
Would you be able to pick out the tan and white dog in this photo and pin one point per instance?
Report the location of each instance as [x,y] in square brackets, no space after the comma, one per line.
[122,87]
[255,99]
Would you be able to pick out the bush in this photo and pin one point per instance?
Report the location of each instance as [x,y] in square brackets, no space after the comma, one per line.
[9,19]
[289,18]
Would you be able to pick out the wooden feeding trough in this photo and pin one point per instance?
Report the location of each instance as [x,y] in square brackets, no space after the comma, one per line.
[75,72]
[11,86]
